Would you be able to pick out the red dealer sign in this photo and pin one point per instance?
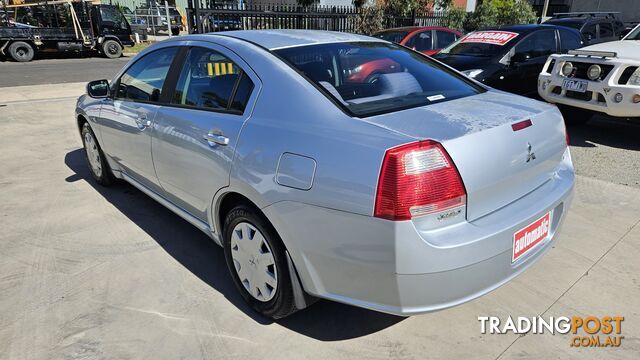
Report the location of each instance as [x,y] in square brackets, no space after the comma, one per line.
[490,37]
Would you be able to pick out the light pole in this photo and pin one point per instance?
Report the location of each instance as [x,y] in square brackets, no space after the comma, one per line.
[545,7]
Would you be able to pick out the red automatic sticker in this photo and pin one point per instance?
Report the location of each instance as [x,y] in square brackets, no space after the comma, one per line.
[527,238]
[490,37]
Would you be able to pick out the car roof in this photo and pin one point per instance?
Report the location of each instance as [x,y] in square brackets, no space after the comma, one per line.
[523,29]
[568,19]
[277,39]
[403,28]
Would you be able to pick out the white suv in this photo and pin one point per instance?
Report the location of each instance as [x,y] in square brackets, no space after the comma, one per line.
[599,78]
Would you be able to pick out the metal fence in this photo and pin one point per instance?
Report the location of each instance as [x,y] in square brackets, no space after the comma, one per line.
[203,17]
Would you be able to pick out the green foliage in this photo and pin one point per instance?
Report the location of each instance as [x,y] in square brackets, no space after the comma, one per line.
[515,12]
[491,13]
[455,17]
[369,20]
[404,7]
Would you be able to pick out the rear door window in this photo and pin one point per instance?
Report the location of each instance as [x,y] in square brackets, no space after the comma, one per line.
[606,30]
[589,31]
[209,80]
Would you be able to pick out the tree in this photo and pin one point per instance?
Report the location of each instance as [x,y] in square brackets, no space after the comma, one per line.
[369,20]
[404,7]
[455,17]
[491,13]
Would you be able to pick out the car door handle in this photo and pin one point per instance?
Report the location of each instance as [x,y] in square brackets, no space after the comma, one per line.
[216,139]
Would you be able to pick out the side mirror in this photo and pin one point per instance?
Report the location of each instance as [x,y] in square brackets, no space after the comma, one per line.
[519,57]
[98,89]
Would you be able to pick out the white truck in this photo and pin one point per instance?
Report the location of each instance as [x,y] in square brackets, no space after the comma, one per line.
[601,78]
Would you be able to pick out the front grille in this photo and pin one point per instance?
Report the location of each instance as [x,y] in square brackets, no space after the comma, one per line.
[626,74]
[580,70]
[557,90]
[585,96]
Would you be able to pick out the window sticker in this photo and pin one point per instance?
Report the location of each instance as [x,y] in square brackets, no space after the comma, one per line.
[490,37]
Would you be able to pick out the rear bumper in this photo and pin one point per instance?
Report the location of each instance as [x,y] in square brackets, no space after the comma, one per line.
[398,268]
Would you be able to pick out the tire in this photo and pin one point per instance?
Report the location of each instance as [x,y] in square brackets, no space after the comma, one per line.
[175,31]
[249,262]
[111,49]
[21,51]
[96,161]
[575,116]
[373,78]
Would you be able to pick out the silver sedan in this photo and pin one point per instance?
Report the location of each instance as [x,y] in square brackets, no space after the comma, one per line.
[335,166]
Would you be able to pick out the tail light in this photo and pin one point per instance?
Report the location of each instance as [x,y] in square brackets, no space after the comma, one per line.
[417,179]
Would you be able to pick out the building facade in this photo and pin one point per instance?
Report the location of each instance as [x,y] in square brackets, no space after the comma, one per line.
[629,9]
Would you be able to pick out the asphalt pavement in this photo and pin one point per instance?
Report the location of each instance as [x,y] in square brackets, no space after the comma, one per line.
[58,70]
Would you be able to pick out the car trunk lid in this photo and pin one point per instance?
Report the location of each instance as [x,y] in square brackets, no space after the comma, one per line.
[498,164]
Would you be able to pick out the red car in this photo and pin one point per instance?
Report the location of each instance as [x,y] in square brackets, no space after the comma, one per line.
[427,40]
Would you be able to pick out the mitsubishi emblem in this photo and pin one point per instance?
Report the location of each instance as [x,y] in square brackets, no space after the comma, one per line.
[530,154]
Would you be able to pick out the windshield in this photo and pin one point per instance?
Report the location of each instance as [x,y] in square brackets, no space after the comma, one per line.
[369,78]
[393,36]
[112,17]
[482,43]
[634,34]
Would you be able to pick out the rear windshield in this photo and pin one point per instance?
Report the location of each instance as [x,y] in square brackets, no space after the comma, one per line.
[393,36]
[369,78]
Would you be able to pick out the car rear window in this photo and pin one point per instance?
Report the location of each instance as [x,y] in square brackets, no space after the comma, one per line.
[369,78]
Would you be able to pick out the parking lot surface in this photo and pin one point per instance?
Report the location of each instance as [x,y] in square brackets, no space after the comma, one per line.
[93,272]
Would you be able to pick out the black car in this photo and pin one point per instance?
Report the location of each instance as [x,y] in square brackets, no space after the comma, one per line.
[509,58]
[595,27]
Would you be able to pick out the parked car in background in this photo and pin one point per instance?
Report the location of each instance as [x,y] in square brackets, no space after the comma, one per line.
[509,58]
[76,27]
[601,78]
[415,193]
[595,27]
[427,40]
[155,17]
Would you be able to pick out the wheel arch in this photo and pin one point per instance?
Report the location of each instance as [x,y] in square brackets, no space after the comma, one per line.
[80,121]
[226,202]
[112,37]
